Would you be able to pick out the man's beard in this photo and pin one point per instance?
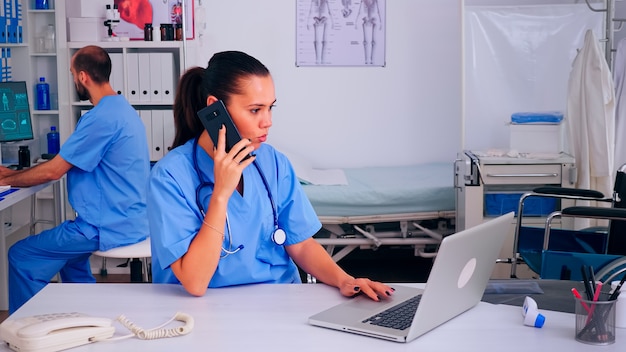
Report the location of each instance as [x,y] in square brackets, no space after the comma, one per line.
[83,93]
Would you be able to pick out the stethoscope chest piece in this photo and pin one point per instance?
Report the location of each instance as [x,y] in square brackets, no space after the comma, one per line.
[279,237]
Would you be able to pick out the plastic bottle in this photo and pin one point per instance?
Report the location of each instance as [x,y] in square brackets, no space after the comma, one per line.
[43,94]
[42,4]
[54,144]
[49,41]
[531,314]
[23,156]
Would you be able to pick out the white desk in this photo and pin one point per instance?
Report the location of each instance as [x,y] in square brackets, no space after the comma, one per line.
[22,219]
[264,317]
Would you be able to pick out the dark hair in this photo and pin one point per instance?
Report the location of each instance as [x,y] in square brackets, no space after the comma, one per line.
[95,61]
[221,79]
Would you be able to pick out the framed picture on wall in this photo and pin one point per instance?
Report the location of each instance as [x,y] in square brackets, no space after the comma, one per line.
[346,33]
[134,14]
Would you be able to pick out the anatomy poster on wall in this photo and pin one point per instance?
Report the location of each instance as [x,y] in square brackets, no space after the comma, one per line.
[134,15]
[340,33]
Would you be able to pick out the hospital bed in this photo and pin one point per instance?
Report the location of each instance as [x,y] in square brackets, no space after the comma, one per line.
[386,206]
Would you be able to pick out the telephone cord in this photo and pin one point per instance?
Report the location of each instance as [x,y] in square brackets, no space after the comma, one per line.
[157,332]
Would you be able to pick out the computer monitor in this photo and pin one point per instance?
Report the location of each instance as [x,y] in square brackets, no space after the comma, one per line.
[15,119]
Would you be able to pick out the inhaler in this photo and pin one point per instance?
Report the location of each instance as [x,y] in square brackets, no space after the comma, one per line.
[531,314]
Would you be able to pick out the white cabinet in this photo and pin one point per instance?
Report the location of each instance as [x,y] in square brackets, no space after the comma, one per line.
[488,186]
[146,73]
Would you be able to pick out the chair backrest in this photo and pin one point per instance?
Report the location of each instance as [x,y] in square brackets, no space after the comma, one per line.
[617,228]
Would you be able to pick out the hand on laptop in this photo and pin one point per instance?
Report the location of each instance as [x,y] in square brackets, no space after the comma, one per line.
[372,289]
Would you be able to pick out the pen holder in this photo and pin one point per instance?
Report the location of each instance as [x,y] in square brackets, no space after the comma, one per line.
[595,320]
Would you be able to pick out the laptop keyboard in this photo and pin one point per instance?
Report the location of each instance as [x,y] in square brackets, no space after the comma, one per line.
[398,317]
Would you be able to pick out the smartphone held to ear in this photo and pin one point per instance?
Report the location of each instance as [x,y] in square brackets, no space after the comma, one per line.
[213,117]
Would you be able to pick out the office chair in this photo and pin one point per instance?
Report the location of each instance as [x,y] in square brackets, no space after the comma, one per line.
[560,256]
[139,255]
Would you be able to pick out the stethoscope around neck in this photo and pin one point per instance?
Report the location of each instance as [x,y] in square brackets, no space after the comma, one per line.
[278,235]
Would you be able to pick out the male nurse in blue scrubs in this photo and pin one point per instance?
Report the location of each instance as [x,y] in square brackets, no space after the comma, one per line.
[107,164]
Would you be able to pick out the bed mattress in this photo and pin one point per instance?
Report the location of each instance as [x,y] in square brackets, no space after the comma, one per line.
[387,190]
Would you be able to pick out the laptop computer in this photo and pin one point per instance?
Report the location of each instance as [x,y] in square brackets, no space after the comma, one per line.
[457,281]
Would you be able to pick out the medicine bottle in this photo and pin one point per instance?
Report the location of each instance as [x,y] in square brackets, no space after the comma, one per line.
[163,32]
[169,31]
[178,33]
[43,94]
[23,156]
[54,143]
[147,32]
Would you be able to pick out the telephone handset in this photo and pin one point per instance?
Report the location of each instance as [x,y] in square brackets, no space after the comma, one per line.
[54,332]
[60,331]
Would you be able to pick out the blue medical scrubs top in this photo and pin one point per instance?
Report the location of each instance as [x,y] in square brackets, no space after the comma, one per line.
[108,184]
[175,218]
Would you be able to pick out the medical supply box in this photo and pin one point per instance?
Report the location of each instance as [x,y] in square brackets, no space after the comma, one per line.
[539,132]
[497,204]
[87,8]
[86,29]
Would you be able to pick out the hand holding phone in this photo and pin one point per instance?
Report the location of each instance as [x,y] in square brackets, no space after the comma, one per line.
[213,117]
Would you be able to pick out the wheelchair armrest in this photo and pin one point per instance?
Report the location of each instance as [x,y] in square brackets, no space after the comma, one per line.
[595,212]
[573,192]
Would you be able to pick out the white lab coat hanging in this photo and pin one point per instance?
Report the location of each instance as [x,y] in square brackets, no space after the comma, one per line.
[591,120]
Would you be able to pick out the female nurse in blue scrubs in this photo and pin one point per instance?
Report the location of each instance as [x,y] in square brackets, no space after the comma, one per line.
[218,220]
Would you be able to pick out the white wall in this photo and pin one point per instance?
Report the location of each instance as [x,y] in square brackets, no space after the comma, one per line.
[406,112]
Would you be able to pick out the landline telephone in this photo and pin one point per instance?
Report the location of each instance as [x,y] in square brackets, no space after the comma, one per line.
[54,332]
[59,331]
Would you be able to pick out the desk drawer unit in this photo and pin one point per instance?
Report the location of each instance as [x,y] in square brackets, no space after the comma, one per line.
[533,174]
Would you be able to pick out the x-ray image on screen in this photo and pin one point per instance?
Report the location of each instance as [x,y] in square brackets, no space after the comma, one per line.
[15,119]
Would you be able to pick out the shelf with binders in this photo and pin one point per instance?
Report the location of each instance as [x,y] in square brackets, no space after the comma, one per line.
[146,73]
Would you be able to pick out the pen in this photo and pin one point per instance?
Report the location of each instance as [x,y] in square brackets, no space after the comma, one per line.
[577,295]
[588,288]
[615,293]
[596,296]
[592,277]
